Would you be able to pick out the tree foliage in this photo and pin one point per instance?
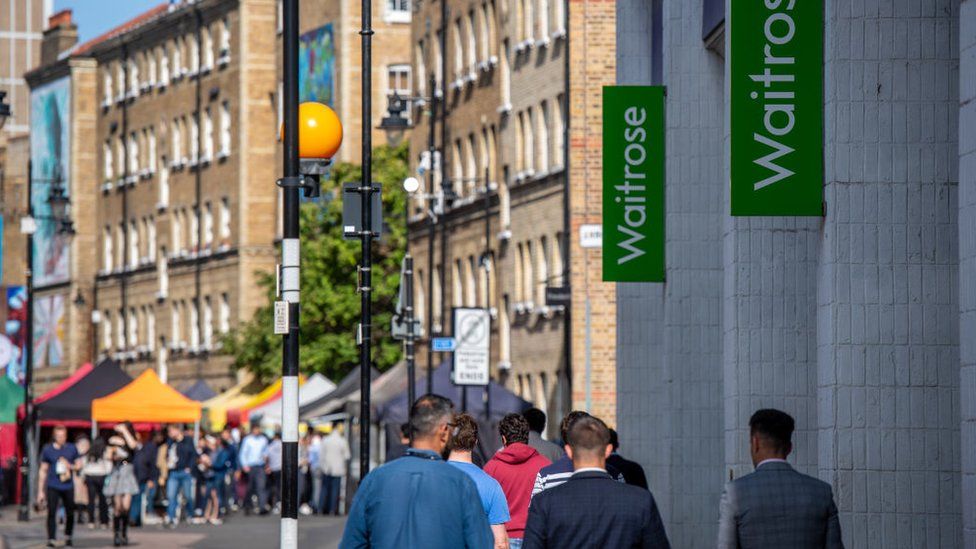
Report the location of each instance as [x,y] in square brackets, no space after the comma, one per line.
[330,305]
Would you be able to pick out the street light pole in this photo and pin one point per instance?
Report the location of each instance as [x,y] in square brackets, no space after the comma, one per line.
[23,513]
[411,333]
[290,265]
[431,234]
[366,234]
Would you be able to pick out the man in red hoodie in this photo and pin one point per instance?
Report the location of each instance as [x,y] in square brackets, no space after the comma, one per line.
[515,467]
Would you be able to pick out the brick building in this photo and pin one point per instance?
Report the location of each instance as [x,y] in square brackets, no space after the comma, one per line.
[850,321]
[507,81]
[21,32]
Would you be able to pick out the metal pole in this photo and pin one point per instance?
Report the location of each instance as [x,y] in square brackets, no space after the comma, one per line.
[366,234]
[487,267]
[411,359]
[290,271]
[431,234]
[446,184]
[23,513]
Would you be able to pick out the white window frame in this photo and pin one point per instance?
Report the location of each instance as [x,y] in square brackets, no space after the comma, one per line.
[397,11]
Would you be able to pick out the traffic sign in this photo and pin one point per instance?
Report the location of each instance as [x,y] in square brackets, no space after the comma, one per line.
[443,344]
[472,329]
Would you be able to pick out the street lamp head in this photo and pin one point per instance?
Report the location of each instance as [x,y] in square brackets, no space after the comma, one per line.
[395,121]
[319,131]
[411,185]
[4,108]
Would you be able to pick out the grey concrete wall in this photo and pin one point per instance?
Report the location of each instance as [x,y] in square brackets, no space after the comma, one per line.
[967,263]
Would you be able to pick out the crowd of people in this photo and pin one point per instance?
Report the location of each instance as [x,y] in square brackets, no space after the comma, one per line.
[164,477]
[535,494]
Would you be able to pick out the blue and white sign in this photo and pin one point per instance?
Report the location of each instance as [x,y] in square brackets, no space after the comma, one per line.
[443,344]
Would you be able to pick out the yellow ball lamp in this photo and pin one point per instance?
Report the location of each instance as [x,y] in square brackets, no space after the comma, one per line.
[319,131]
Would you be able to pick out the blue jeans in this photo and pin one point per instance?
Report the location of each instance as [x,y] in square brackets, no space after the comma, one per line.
[179,481]
[135,511]
[331,487]
[514,543]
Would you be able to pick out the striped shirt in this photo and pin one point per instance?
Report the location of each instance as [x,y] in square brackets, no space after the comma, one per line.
[559,472]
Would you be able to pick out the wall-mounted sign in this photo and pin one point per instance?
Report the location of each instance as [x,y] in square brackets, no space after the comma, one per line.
[776,56]
[591,236]
[633,183]
[472,354]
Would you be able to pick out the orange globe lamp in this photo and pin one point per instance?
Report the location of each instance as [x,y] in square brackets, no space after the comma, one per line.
[319,131]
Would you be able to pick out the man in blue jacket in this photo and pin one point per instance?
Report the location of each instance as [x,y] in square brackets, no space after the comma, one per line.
[419,500]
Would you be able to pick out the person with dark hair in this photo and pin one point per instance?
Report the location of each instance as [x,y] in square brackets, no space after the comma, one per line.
[147,474]
[464,438]
[334,457]
[561,469]
[419,500]
[274,471]
[253,458]
[121,483]
[181,458]
[537,424]
[59,462]
[776,506]
[590,510]
[515,467]
[631,470]
[95,467]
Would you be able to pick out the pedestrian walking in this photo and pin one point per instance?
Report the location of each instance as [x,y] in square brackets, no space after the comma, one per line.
[419,500]
[59,463]
[220,459]
[121,483]
[82,445]
[147,474]
[537,424]
[274,473]
[181,458]
[334,457]
[515,467]
[561,469]
[95,468]
[253,458]
[590,510]
[315,472]
[631,470]
[776,506]
[227,494]
[464,439]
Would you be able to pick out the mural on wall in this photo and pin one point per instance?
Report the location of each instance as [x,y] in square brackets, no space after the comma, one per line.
[316,65]
[13,340]
[48,330]
[50,156]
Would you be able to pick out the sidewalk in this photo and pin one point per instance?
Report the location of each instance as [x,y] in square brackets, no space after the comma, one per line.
[237,532]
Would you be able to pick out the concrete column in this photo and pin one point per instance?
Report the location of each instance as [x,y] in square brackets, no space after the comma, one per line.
[887,336]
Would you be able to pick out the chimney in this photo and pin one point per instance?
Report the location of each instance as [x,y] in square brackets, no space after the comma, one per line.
[61,35]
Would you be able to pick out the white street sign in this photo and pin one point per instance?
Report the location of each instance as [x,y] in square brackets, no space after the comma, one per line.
[591,236]
[472,331]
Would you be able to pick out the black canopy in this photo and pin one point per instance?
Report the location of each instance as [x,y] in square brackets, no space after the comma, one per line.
[75,402]
[198,391]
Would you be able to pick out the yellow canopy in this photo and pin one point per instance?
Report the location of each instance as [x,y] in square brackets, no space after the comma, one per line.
[146,400]
[234,397]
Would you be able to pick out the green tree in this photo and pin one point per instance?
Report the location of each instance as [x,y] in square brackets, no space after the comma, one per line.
[330,305]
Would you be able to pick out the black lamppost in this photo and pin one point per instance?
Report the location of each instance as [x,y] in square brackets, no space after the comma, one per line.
[60,209]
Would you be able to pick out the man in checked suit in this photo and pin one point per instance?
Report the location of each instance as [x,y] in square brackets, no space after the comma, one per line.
[591,510]
[775,506]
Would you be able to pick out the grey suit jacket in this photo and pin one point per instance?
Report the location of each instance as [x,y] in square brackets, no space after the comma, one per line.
[777,507]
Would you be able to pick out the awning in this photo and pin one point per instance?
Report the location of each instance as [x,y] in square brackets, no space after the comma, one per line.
[502,401]
[146,400]
[315,388]
[233,397]
[271,393]
[81,372]
[198,391]
[334,400]
[73,405]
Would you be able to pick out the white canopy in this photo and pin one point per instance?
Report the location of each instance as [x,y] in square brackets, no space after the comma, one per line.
[313,389]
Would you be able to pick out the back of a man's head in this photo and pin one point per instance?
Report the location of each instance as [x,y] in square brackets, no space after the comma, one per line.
[588,438]
[774,428]
[536,419]
[428,413]
[513,428]
[568,421]
[465,435]
[614,439]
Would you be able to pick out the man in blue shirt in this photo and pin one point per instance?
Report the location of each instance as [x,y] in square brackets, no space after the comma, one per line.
[253,458]
[419,500]
[59,461]
[463,441]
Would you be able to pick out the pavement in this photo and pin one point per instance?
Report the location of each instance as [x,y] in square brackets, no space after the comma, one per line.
[237,532]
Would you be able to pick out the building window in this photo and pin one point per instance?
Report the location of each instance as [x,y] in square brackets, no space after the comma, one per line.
[150,317]
[176,141]
[225,40]
[120,156]
[207,323]
[225,220]
[519,147]
[208,49]
[470,288]
[195,230]
[107,86]
[528,25]
[208,135]
[543,20]
[175,328]
[194,54]
[119,81]
[470,165]
[194,138]
[133,328]
[557,132]
[120,330]
[120,246]
[133,154]
[420,297]
[106,330]
[177,58]
[542,271]
[163,68]
[557,260]
[150,238]
[162,270]
[418,56]
[520,273]
[398,80]
[151,68]
[506,78]
[225,129]
[208,232]
[133,244]
[107,253]
[492,28]
[107,160]
[483,35]
[438,63]
[194,324]
[457,169]
[133,78]
[177,230]
[163,183]
[458,52]
[505,332]
[224,313]
[558,16]
[398,11]
[529,142]
[471,47]
[438,298]
[151,155]
[458,287]
[542,137]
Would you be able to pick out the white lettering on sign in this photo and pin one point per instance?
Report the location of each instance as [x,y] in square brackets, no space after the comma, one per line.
[779,30]
[635,210]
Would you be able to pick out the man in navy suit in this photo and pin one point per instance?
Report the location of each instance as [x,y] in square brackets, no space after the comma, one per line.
[591,510]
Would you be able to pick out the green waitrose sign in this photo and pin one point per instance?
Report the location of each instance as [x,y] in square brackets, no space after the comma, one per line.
[633,183]
[776,55]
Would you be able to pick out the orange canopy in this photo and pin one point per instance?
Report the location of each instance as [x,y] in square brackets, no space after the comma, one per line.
[147,400]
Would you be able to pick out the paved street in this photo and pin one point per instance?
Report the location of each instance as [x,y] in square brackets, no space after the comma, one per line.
[238,532]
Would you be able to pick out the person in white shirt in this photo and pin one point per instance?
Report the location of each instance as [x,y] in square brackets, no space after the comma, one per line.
[333,461]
